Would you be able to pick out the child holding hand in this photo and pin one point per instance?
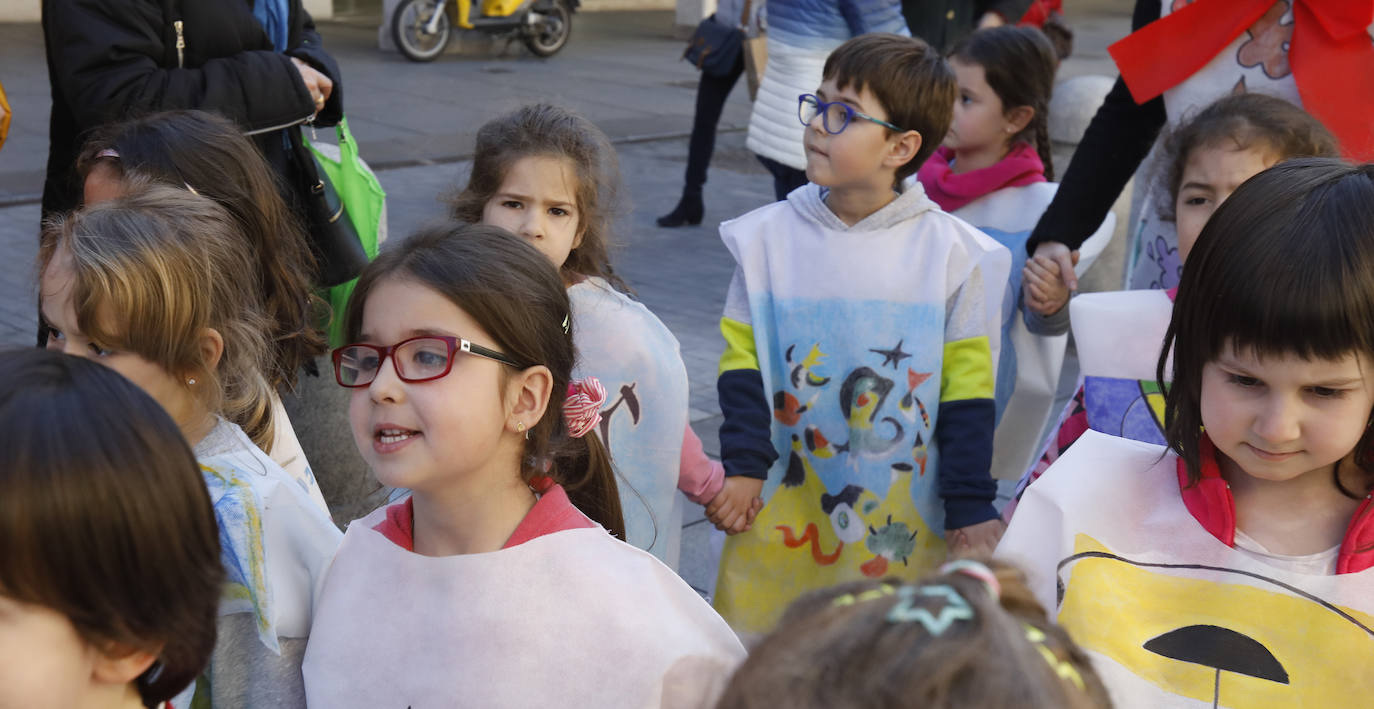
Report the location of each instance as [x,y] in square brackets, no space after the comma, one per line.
[550,176]
[993,171]
[1234,563]
[1119,333]
[861,329]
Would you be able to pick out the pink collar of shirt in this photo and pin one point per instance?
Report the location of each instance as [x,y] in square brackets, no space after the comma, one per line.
[552,512]
[1211,504]
[1021,166]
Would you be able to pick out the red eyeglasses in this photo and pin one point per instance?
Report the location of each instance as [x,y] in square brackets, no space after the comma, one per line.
[419,359]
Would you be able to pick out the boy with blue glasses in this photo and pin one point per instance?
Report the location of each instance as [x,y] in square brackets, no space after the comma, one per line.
[861,329]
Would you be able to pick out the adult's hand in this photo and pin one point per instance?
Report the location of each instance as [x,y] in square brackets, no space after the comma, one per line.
[1065,258]
[319,85]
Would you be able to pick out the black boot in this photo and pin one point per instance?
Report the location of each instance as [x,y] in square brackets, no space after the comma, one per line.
[688,211]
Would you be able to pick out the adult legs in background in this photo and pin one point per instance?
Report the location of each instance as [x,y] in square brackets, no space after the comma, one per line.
[785,179]
[712,91]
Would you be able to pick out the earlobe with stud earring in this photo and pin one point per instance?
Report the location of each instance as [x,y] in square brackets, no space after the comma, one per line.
[191,381]
[520,428]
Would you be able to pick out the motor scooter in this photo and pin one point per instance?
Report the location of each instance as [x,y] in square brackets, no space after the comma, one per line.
[421,28]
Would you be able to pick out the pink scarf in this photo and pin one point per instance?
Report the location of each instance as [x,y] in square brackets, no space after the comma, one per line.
[1021,166]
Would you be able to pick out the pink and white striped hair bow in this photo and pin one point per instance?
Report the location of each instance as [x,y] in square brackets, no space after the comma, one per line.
[582,408]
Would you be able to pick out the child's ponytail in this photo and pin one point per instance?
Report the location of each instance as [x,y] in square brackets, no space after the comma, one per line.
[1019,64]
[589,478]
[517,296]
[1040,129]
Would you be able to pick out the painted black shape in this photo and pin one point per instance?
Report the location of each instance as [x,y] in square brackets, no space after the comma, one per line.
[795,474]
[849,495]
[627,392]
[631,402]
[893,356]
[1220,649]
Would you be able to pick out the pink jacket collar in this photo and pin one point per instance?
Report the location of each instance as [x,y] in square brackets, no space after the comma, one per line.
[1021,166]
[1211,504]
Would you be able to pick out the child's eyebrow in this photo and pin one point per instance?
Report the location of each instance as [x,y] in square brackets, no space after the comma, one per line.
[1194,186]
[851,100]
[528,198]
[1338,383]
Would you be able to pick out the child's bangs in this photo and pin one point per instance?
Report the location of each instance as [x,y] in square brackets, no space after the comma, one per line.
[1286,278]
[128,296]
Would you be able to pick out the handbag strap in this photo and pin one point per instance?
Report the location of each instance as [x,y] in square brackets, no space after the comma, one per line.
[348,148]
[744,17]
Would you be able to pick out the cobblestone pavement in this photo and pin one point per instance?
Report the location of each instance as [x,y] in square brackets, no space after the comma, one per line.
[415,123]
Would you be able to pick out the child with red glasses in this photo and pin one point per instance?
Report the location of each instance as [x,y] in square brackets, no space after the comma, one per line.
[498,581]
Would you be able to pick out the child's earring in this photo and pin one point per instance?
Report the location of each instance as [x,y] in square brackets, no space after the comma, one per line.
[520,428]
[191,381]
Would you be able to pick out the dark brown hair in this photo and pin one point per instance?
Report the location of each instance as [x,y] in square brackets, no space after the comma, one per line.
[914,85]
[1285,266]
[1244,122]
[514,293]
[836,648]
[206,152]
[545,130]
[1019,65]
[104,516]
[153,270]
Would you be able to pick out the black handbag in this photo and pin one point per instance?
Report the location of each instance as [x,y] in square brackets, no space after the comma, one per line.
[338,250]
[714,47]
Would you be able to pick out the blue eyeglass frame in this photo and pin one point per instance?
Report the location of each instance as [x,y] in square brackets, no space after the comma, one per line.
[823,110]
[454,344]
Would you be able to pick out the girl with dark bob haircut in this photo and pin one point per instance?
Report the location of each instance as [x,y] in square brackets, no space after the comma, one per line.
[1252,528]
[1288,270]
[110,573]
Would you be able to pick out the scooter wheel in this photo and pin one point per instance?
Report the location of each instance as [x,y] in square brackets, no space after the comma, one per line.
[551,30]
[408,25]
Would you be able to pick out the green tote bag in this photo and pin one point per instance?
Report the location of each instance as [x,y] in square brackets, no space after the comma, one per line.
[365,202]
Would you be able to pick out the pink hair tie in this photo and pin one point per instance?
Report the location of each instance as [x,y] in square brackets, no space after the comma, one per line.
[582,408]
[977,570]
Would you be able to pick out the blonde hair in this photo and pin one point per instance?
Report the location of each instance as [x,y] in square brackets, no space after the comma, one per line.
[152,271]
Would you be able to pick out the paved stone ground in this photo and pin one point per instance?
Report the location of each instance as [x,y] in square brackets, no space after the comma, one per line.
[415,123]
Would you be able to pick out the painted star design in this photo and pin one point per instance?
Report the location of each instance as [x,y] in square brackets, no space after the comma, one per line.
[893,356]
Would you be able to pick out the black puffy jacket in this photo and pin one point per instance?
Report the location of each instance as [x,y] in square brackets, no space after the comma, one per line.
[113,59]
